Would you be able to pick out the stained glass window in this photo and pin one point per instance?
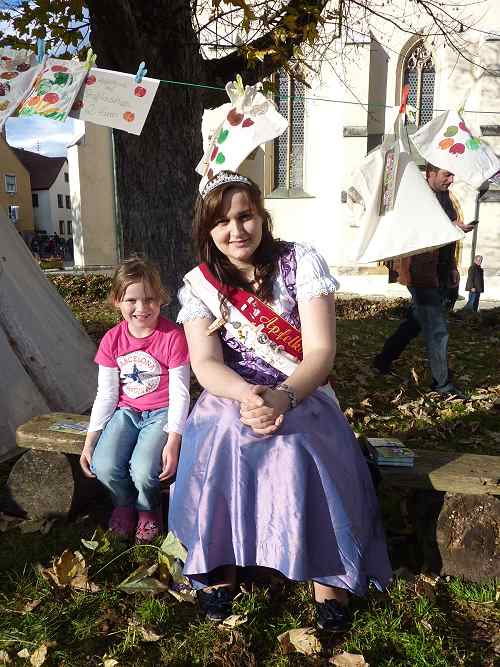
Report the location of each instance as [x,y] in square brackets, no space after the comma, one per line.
[289,147]
[419,74]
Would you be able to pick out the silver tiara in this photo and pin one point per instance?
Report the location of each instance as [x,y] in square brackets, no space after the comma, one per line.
[222,178]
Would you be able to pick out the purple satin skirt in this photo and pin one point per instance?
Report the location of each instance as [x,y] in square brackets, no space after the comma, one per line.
[301,501]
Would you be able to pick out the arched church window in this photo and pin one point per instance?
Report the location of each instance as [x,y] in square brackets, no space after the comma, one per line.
[289,147]
[419,73]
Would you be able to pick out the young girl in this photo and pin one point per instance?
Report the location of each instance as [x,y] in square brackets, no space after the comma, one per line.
[270,473]
[141,405]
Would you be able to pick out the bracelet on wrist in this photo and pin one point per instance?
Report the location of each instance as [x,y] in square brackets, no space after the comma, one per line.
[292,396]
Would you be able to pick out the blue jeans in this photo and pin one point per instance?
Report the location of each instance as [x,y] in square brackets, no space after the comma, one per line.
[473,302]
[427,315]
[430,305]
[127,457]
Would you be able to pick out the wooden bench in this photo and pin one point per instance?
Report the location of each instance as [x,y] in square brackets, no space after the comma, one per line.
[455,508]
[456,494]
[47,480]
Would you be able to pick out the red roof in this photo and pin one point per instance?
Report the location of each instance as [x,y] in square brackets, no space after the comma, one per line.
[43,170]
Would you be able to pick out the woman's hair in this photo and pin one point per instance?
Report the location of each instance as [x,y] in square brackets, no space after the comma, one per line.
[206,213]
[133,270]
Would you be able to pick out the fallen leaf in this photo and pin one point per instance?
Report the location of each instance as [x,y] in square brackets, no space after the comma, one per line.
[90,544]
[4,658]
[38,657]
[426,625]
[24,653]
[234,620]
[171,546]
[349,660]
[425,585]
[109,662]
[183,593]
[70,569]
[141,581]
[29,606]
[415,376]
[147,632]
[301,640]
[99,542]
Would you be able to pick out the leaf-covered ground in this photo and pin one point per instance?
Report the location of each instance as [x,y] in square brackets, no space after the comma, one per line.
[422,622]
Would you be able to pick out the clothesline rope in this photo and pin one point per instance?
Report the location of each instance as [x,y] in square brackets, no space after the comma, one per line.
[311,98]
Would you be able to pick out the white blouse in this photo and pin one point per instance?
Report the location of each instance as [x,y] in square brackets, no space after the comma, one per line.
[313,278]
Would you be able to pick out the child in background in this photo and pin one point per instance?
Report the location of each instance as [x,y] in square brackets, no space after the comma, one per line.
[475,284]
[141,404]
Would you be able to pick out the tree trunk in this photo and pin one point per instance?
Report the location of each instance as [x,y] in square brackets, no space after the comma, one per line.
[156,181]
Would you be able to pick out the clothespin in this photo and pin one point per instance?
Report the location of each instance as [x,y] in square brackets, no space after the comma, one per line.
[40,49]
[90,61]
[141,72]
[404,99]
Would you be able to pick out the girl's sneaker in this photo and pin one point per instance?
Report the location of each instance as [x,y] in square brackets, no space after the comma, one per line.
[122,521]
[149,526]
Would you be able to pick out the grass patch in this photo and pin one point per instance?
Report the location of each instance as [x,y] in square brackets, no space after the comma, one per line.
[465,591]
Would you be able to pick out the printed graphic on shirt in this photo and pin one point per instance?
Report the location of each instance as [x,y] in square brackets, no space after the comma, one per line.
[140,373]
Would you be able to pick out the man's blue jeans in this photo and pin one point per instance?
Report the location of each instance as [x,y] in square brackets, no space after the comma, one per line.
[430,306]
[127,457]
[427,315]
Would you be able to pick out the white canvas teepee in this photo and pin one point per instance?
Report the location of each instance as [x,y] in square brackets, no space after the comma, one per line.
[46,358]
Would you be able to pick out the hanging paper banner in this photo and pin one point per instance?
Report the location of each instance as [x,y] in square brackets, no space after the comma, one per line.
[406,228]
[232,131]
[18,71]
[54,90]
[448,143]
[115,99]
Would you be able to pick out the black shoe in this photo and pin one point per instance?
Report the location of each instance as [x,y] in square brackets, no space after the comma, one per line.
[331,616]
[381,365]
[216,603]
[451,392]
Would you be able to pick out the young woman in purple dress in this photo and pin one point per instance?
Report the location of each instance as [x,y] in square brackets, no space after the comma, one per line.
[270,473]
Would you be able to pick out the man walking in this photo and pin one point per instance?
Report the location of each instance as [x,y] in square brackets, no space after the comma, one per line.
[475,283]
[429,277]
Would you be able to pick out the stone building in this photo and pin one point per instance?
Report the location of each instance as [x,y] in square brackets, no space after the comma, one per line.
[15,189]
[349,109]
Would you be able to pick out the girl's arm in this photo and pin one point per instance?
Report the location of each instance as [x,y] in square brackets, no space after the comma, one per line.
[106,400]
[178,408]
[208,363]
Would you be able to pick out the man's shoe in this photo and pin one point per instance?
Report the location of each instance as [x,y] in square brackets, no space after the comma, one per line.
[216,603]
[451,392]
[331,616]
[381,365]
